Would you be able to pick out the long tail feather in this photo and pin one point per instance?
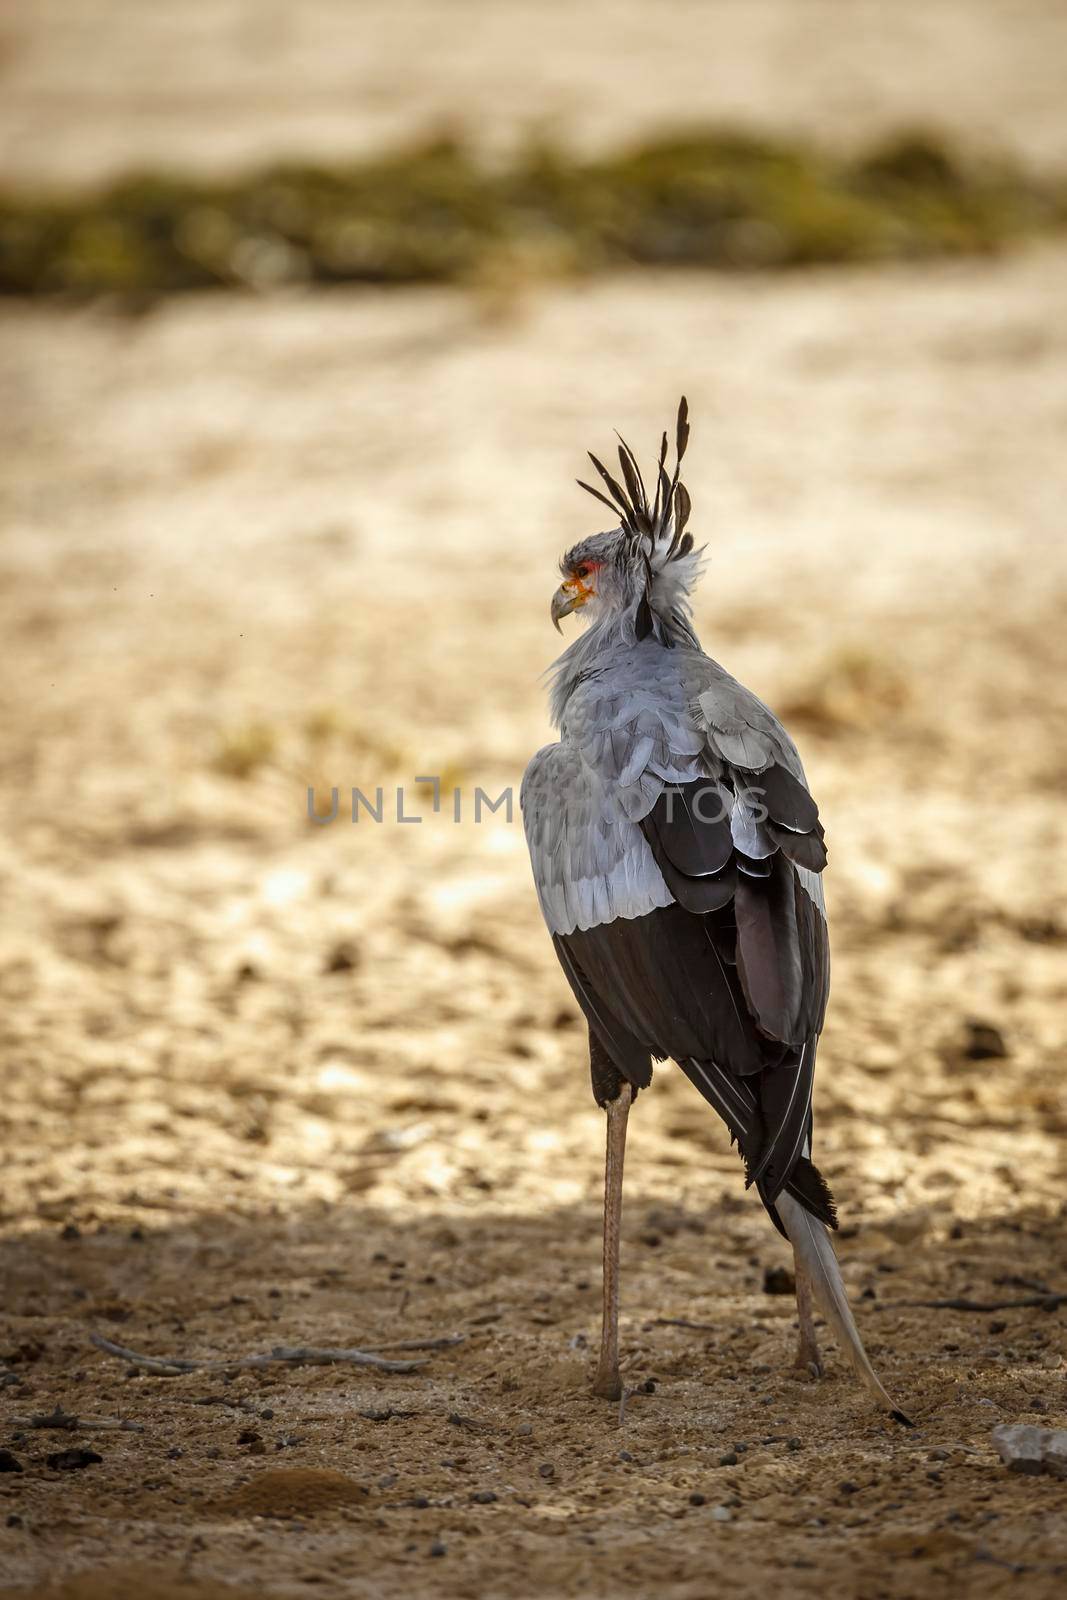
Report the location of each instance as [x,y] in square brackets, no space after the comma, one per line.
[815,1253]
[807,1184]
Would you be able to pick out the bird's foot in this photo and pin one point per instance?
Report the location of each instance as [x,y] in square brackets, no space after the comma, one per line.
[607,1385]
[808,1359]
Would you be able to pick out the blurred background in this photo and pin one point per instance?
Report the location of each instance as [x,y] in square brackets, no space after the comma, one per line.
[308,315]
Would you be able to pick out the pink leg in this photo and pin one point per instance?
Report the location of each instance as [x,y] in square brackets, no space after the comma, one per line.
[608,1383]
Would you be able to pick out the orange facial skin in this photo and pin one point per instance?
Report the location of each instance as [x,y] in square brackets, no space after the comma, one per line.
[573,593]
[582,587]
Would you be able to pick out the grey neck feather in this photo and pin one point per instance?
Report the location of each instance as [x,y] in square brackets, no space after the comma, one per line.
[598,646]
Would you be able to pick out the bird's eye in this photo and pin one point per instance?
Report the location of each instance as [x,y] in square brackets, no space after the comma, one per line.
[582,571]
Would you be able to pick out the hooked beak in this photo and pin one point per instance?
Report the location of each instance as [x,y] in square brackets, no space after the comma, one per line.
[568,597]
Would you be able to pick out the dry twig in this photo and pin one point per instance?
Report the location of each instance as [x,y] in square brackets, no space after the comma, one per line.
[70,1422]
[281,1355]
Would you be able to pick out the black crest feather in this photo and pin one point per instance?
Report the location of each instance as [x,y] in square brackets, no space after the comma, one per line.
[683,428]
[604,501]
[649,525]
[635,488]
[614,489]
[682,507]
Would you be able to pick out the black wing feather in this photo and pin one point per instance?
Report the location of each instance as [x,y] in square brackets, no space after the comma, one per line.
[688,832]
[692,824]
[628,1054]
[736,1102]
[803,849]
[785,1105]
[768,954]
[787,801]
[659,976]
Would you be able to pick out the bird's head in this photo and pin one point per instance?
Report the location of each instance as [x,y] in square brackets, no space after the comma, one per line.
[596,573]
[643,568]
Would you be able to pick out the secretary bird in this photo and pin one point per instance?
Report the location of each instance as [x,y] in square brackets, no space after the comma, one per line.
[677,854]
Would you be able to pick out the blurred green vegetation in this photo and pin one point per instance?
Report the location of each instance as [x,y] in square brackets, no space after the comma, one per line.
[435,214]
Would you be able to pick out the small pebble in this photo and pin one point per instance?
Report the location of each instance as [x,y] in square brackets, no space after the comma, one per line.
[848,1487]
[624,1455]
[983,1041]
[696,1500]
[9,1463]
[649,1386]
[1025,1448]
[729,1459]
[420,1502]
[437,1548]
[344,957]
[547,1470]
[483,1497]
[14,1520]
[175,1453]
[525,1429]
[792,1444]
[720,1514]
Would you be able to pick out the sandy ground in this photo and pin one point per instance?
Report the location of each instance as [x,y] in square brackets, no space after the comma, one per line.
[267,1082]
[91,87]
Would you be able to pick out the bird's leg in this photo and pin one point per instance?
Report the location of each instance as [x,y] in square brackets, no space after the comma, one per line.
[808,1357]
[608,1383]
